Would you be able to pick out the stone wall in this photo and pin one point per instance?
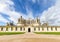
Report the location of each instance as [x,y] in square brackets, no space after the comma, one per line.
[32,29]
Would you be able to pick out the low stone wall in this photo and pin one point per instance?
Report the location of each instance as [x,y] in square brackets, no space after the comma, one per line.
[45,29]
[32,29]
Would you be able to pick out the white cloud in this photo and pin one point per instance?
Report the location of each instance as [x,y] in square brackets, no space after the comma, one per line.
[2,19]
[52,15]
[5,8]
[29,13]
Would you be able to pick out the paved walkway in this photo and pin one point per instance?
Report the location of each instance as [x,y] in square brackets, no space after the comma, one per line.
[21,37]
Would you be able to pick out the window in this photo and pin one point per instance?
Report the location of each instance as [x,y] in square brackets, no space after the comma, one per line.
[42,29]
[47,29]
[7,29]
[39,29]
[11,29]
[21,29]
[24,29]
[51,28]
[16,28]
[34,29]
[2,29]
[56,28]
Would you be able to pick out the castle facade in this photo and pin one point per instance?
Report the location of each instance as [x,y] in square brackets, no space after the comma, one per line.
[29,25]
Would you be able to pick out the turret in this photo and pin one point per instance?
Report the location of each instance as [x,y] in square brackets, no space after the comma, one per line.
[20,19]
[10,24]
[7,24]
[37,20]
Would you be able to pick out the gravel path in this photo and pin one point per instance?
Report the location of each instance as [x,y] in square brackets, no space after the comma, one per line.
[30,37]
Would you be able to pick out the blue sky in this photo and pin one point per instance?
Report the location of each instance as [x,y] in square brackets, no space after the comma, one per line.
[36,7]
[11,9]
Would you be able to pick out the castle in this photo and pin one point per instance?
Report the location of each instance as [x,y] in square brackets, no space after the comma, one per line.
[29,25]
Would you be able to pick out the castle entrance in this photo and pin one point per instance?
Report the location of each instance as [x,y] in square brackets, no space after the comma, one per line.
[29,30]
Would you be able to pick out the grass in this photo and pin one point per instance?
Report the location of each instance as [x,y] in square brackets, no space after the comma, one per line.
[52,33]
[11,33]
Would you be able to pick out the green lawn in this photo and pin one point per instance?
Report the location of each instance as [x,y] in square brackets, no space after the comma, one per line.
[52,33]
[11,33]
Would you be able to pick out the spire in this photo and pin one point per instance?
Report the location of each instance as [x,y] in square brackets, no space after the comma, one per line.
[18,20]
[21,17]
